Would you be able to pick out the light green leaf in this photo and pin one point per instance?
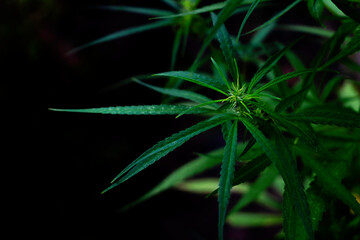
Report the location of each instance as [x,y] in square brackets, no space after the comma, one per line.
[350,10]
[138,110]
[226,176]
[123,33]
[192,168]
[282,158]
[200,79]
[247,220]
[166,146]
[316,8]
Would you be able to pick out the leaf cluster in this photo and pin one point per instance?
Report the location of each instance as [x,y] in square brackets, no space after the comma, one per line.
[290,119]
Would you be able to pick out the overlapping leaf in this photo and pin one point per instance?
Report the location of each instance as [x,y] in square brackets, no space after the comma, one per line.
[282,158]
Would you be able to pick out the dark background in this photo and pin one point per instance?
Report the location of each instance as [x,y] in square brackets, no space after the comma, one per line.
[56,164]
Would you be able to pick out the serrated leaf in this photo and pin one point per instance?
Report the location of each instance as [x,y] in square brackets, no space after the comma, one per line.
[227,47]
[225,13]
[138,110]
[304,134]
[200,79]
[350,48]
[248,13]
[274,18]
[123,33]
[285,77]
[283,160]
[268,65]
[338,118]
[166,146]
[138,10]
[226,176]
[185,94]
[331,183]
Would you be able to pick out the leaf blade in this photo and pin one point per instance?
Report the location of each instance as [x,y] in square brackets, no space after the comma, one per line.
[226,176]
[197,78]
[165,146]
[137,110]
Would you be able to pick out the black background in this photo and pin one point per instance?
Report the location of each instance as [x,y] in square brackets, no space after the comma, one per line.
[56,164]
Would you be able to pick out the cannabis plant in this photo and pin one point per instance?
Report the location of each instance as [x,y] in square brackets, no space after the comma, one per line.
[302,125]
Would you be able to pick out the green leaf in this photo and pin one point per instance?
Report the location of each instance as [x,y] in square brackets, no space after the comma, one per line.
[197,78]
[138,110]
[185,94]
[247,220]
[285,77]
[350,48]
[350,10]
[227,175]
[303,133]
[249,171]
[282,158]
[225,13]
[208,8]
[338,118]
[139,10]
[316,8]
[274,18]
[268,65]
[123,33]
[248,13]
[259,186]
[166,146]
[227,48]
[331,183]
[192,168]
[306,29]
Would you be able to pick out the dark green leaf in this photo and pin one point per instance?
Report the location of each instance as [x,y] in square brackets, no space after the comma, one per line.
[123,33]
[331,183]
[226,47]
[185,94]
[268,65]
[227,175]
[339,118]
[251,9]
[282,158]
[139,10]
[200,79]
